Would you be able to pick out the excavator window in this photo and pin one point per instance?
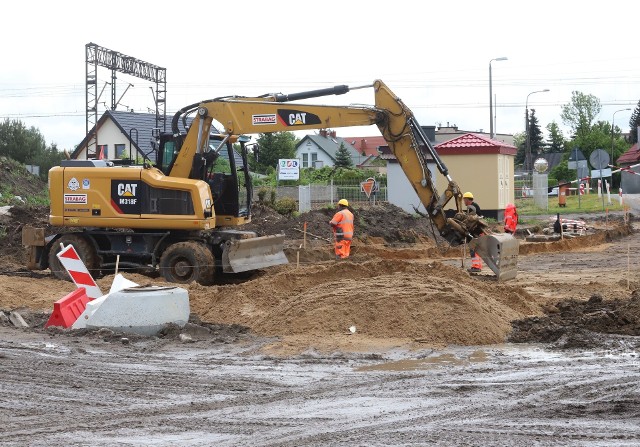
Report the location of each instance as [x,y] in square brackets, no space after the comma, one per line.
[168,152]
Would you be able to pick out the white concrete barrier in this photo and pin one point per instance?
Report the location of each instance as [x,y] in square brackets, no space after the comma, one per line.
[134,309]
[141,310]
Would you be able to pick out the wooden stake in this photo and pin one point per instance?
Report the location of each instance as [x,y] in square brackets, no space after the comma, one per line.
[298,259]
[628,263]
[304,238]
[464,252]
[117,263]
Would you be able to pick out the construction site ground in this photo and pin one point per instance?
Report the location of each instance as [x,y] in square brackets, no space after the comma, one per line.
[398,345]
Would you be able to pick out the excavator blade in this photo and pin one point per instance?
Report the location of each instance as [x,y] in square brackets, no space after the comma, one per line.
[499,252]
[242,255]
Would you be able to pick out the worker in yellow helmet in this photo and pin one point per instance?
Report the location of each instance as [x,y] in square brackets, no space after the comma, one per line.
[342,225]
[473,208]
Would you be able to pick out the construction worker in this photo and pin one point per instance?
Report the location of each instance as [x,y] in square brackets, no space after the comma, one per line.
[342,225]
[510,218]
[473,208]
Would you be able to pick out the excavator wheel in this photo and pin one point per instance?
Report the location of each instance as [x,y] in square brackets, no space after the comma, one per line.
[189,261]
[85,250]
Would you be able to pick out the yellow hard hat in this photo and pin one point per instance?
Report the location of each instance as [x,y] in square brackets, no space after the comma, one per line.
[467,195]
[343,202]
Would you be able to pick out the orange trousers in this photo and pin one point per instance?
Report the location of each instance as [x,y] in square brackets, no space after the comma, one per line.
[342,248]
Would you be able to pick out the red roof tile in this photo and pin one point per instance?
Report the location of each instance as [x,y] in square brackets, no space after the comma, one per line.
[368,145]
[474,144]
[631,156]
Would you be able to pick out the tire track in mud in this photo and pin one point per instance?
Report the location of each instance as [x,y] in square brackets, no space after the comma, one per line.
[116,395]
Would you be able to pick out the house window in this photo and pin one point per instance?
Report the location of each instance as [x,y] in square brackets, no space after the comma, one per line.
[120,150]
[314,158]
[305,160]
[103,152]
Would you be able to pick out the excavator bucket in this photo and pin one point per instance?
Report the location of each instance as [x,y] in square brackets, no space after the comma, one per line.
[500,252]
[242,255]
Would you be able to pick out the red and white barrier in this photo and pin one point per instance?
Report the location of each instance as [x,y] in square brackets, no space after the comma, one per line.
[569,225]
[78,271]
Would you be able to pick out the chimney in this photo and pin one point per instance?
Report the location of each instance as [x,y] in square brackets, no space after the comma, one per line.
[323,133]
[333,134]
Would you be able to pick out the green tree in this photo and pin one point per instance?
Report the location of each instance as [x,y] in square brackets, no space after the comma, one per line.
[519,140]
[47,159]
[580,113]
[634,122]
[271,148]
[536,139]
[20,143]
[598,137]
[343,157]
[562,173]
[556,141]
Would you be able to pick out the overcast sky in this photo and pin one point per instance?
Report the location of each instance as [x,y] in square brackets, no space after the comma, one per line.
[434,56]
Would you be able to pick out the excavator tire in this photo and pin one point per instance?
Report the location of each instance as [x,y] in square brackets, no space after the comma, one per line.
[85,250]
[185,262]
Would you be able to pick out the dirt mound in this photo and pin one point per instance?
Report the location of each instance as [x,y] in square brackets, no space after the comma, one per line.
[17,181]
[573,323]
[11,249]
[385,222]
[430,303]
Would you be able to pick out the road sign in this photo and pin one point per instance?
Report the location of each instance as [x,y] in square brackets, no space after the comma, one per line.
[599,159]
[369,186]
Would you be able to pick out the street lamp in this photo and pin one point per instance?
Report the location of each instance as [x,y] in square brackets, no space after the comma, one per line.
[491,96]
[612,126]
[528,163]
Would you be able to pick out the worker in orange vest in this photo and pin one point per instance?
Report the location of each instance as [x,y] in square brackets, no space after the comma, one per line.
[342,225]
[473,208]
[510,218]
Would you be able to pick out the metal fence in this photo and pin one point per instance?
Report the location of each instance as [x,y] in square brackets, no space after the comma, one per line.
[318,195]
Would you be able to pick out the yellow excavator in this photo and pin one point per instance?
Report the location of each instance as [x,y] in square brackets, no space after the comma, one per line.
[182,213]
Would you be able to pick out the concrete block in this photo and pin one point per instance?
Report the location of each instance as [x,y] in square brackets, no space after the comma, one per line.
[16,319]
[141,310]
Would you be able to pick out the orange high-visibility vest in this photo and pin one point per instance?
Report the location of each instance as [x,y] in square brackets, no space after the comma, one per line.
[343,221]
[510,218]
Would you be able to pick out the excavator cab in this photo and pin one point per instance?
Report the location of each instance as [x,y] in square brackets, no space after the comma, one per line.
[224,168]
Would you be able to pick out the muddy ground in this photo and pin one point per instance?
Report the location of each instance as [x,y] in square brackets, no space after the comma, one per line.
[438,357]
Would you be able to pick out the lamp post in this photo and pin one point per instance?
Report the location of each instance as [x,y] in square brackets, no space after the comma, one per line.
[612,126]
[528,163]
[491,96]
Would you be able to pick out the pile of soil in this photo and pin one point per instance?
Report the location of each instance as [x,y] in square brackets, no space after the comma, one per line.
[572,323]
[17,181]
[384,222]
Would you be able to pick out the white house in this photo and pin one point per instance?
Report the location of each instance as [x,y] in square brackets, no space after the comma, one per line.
[317,151]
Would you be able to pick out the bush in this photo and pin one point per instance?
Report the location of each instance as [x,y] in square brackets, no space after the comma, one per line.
[263,198]
[286,206]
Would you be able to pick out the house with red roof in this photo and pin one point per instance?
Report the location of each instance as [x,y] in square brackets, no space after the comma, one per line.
[367,145]
[630,182]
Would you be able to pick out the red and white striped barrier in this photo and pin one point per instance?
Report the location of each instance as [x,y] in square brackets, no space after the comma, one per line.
[569,225]
[78,271]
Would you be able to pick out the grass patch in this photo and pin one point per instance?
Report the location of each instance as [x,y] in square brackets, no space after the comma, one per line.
[588,203]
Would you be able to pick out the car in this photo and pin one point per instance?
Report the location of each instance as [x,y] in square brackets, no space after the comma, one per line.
[554,191]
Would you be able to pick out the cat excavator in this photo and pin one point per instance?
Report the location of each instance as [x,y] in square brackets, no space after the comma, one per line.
[182,213]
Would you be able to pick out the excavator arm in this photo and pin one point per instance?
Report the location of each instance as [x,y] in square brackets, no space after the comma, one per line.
[396,122]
